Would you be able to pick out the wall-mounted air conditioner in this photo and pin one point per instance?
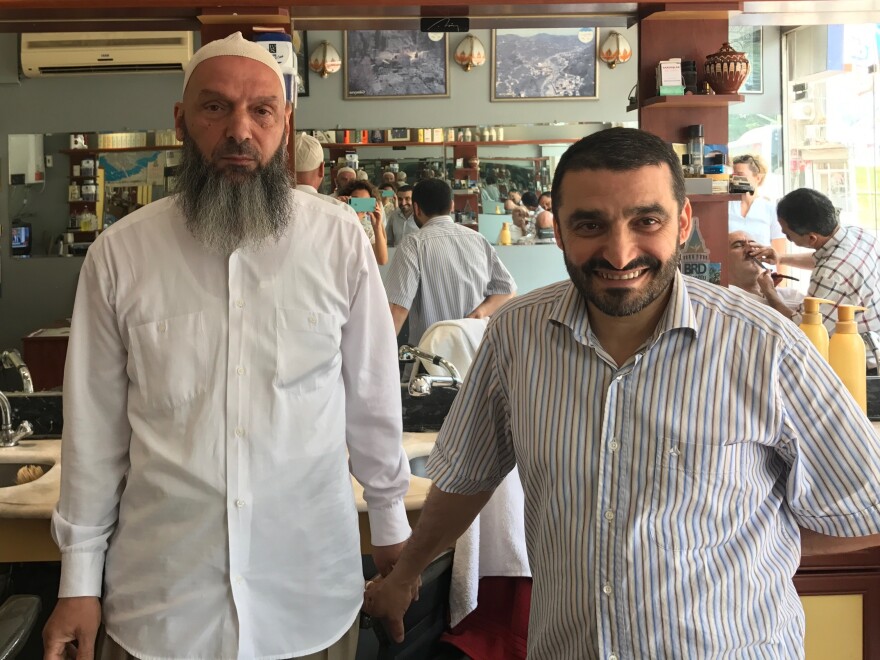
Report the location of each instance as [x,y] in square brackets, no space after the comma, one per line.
[80,53]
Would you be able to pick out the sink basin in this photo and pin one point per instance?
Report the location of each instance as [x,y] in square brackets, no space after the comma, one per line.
[8,472]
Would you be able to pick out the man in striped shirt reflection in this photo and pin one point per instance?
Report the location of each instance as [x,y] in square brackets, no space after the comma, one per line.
[677,444]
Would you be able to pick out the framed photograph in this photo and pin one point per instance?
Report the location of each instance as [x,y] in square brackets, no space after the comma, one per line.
[397,135]
[301,48]
[382,64]
[748,39]
[549,64]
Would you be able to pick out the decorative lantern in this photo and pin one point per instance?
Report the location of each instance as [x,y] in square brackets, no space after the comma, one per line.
[470,53]
[615,49]
[325,59]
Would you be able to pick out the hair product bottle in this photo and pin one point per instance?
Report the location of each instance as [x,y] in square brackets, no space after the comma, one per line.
[812,325]
[846,354]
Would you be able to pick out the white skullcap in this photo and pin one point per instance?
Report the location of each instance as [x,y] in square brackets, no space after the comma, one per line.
[345,170]
[362,175]
[238,46]
[309,153]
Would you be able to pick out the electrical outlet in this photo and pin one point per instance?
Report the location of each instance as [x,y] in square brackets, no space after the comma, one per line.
[49,161]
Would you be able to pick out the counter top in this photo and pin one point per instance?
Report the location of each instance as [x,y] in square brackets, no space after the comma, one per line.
[36,499]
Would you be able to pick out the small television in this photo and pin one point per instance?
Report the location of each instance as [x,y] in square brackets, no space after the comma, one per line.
[21,239]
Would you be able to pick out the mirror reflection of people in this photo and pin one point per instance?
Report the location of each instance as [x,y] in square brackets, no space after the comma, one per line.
[753,213]
[512,201]
[215,399]
[389,203]
[344,176]
[746,273]
[674,457]
[444,270]
[372,222]
[544,227]
[401,222]
[309,157]
[545,201]
[847,259]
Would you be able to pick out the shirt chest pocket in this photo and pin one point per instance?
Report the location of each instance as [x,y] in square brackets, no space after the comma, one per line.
[703,494]
[168,360]
[308,350]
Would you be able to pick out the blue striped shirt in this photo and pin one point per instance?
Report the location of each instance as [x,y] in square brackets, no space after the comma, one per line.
[442,272]
[663,497]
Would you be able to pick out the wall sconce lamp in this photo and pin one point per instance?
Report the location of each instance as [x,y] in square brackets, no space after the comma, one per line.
[470,53]
[615,49]
[325,59]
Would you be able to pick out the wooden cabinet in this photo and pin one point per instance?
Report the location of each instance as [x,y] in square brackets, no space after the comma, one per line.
[690,32]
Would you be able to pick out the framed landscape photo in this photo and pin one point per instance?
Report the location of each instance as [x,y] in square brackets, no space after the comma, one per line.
[382,64]
[545,64]
[301,48]
[397,135]
[748,39]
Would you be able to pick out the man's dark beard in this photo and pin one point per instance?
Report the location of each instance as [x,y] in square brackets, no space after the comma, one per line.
[623,301]
[231,208]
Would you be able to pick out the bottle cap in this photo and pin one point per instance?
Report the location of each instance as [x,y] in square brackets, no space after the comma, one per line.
[811,310]
[695,130]
[846,319]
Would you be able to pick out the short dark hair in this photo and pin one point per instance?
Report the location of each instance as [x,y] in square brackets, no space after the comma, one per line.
[388,184]
[360,184]
[806,210]
[404,188]
[546,193]
[529,199]
[434,197]
[618,150]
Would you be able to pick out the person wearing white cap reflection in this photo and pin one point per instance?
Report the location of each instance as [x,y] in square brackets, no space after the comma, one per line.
[228,362]
[344,176]
[309,156]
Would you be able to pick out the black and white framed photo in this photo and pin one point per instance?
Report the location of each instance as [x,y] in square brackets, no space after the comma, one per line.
[301,48]
[382,64]
[545,64]
[748,39]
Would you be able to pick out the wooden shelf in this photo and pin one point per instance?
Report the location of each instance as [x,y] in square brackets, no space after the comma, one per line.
[690,101]
[73,152]
[716,197]
[499,143]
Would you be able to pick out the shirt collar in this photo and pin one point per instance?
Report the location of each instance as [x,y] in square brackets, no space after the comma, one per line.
[570,310]
[437,219]
[831,244]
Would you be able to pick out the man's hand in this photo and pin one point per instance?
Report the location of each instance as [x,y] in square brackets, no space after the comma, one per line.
[767,283]
[389,599]
[385,556]
[72,628]
[764,254]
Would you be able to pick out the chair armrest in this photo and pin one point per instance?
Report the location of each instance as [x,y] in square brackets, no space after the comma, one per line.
[17,618]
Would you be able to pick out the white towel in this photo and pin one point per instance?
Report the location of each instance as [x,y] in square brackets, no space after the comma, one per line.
[494,545]
[456,340]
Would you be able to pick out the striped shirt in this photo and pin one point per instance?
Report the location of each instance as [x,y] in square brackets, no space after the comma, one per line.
[848,272]
[442,272]
[663,497]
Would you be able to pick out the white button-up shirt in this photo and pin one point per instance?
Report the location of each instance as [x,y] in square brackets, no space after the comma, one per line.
[211,406]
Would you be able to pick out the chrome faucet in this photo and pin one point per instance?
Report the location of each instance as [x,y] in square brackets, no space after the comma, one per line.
[8,437]
[12,360]
[423,384]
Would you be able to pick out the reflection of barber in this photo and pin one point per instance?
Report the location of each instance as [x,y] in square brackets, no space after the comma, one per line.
[372,222]
[443,271]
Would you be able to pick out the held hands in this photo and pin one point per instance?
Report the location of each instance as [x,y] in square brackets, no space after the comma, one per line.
[72,628]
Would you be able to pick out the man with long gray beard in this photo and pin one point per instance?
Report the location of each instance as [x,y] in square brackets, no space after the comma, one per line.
[677,446]
[231,352]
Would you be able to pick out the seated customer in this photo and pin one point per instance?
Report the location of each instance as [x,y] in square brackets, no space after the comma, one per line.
[512,201]
[544,227]
[747,274]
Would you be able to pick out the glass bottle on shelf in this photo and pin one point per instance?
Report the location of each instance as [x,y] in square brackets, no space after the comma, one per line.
[468,136]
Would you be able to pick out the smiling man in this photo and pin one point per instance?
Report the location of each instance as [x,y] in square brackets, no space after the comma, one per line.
[231,355]
[669,441]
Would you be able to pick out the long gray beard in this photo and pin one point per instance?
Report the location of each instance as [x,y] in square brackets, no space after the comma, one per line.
[226,211]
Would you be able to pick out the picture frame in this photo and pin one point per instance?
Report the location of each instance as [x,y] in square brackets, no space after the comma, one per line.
[388,64]
[749,39]
[545,64]
[397,135]
[301,48]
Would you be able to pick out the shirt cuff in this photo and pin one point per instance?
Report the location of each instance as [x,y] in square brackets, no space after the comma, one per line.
[389,526]
[82,574]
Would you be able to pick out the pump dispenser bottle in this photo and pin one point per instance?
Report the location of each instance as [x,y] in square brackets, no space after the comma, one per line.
[504,237]
[846,354]
[812,325]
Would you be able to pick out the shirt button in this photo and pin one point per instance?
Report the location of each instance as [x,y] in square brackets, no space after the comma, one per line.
[239,371]
[614,446]
[313,319]
[674,451]
[162,326]
[612,657]
[239,503]
[606,589]
[239,432]
[609,515]
[619,378]
[238,579]
[239,303]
